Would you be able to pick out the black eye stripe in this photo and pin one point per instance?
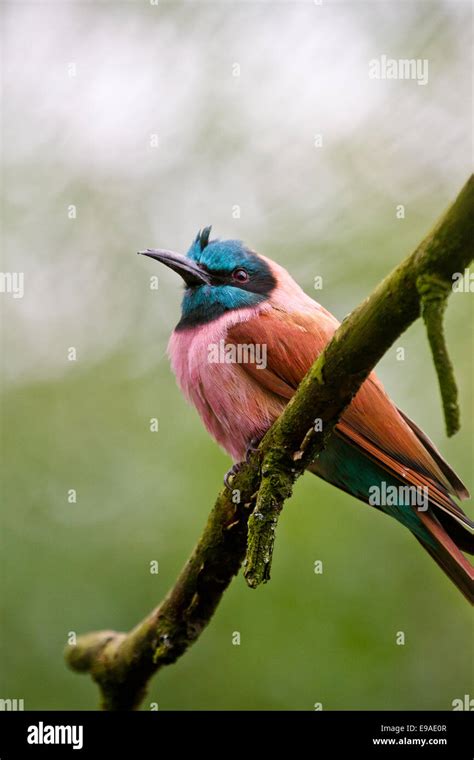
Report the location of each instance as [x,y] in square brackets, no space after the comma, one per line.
[259,277]
[220,274]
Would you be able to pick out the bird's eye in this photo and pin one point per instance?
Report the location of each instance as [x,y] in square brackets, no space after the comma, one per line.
[240,275]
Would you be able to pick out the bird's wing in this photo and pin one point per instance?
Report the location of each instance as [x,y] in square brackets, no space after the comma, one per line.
[458,486]
[372,422]
[292,342]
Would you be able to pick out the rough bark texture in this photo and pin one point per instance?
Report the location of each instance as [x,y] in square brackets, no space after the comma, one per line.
[244,519]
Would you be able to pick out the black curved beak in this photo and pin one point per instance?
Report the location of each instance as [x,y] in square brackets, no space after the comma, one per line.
[191,273]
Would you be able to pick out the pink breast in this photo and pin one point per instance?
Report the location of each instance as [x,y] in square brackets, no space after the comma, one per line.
[231,404]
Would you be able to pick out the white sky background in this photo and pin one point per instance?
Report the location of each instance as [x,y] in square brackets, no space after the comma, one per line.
[223,140]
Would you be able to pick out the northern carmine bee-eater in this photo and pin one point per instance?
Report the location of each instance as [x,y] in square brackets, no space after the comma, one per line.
[235,298]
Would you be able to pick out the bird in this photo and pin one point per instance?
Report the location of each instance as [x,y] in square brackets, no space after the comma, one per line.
[235,298]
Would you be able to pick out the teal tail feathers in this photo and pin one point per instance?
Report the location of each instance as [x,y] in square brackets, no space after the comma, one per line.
[440,525]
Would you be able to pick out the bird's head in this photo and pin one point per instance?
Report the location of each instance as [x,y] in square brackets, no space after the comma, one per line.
[219,276]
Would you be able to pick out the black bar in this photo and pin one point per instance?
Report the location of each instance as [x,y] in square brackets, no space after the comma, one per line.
[321,734]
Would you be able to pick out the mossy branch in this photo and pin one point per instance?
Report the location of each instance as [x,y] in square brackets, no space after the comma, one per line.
[275,487]
[122,664]
[434,299]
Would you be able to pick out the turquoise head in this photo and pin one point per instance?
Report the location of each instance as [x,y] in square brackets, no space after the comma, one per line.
[219,276]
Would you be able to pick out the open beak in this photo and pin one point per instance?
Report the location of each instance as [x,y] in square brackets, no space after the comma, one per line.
[188,269]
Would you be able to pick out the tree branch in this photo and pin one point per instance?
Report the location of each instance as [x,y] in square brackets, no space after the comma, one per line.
[122,664]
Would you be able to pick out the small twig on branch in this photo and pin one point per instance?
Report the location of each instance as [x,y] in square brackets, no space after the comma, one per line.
[434,295]
[275,487]
[122,664]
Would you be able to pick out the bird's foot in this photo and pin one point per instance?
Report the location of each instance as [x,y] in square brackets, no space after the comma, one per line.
[236,468]
[229,476]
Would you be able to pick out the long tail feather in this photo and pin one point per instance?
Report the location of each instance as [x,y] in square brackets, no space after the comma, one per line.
[447,555]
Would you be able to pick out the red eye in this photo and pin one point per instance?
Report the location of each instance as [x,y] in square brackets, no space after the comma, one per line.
[240,275]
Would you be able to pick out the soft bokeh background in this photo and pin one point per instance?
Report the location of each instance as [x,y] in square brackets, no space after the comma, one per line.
[86,87]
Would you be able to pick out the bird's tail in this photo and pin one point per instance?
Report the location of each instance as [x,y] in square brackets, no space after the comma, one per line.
[442,529]
[447,554]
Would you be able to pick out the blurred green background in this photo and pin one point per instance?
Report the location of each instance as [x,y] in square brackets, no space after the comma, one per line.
[86,89]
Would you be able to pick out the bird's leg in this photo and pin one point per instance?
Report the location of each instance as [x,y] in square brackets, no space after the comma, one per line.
[252,447]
